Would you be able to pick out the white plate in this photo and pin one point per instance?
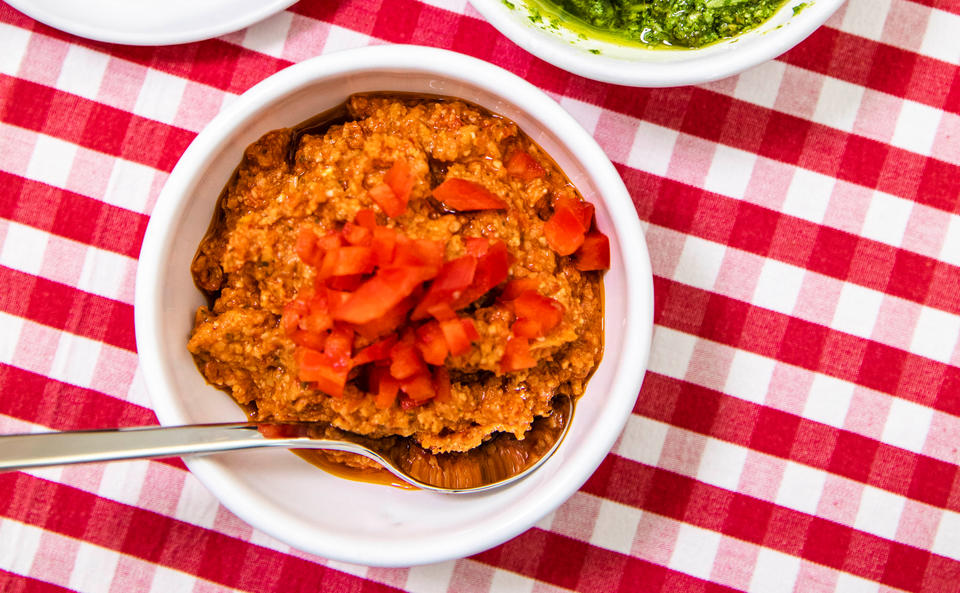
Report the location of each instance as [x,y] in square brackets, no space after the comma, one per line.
[149,22]
[281,494]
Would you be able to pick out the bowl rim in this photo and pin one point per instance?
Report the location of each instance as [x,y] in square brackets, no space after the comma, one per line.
[699,69]
[638,322]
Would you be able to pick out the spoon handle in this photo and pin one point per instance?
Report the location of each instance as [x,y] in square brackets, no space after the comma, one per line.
[22,451]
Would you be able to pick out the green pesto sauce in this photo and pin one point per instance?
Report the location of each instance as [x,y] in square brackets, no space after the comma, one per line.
[685,23]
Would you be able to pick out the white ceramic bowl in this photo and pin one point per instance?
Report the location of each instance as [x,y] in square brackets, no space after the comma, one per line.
[278,492]
[531,29]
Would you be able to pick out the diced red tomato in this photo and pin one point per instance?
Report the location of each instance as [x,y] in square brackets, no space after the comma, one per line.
[379,350]
[306,247]
[594,254]
[366,218]
[564,231]
[432,343]
[516,355]
[492,269]
[383,244]
[441,384]
[405,359]
[379,294]
[523,166]
[399,179]
[388,201]
[355,234]
[456,336]
[454,277]
[462,195]
[419,387]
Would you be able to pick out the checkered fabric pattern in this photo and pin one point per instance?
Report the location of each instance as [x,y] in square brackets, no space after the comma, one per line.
[799,426]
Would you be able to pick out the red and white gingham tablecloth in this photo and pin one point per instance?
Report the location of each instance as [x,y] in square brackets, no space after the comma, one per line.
[799,426]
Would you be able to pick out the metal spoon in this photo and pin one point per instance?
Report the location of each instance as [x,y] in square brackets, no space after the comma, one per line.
[500,461]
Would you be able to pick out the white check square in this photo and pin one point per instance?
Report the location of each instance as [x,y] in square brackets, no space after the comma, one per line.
[908,424]
[778,286]
[828,400]
[936,334]
[652,148]
[694,551]
[801,487]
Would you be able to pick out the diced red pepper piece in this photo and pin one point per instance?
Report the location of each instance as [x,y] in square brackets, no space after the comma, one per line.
[526,328]
[594,254]
[329,242]
[581,209]
[492,269]
[523,166]
[339,347]
[518,286]
[454,277]
[421,253]
[441,384]
[308,339]
[454,332]
[545,311]
[307,248]
[463,195]
[442,311]
[383,244]
[315,367]
[356,234]
[408,403]
[335,298]
[405,359]
[319,319]
[419,387]
[564,231]
[432,343]
[516,355]
[345,283]
[293,312]
[379,350]
[366,218]
[389,321]
[477,246]
[387,388]
[399,179]
[346,261]
[470,329]
[389,202]
[379,294]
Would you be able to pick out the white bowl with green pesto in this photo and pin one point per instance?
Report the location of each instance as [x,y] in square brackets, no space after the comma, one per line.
[686,40]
